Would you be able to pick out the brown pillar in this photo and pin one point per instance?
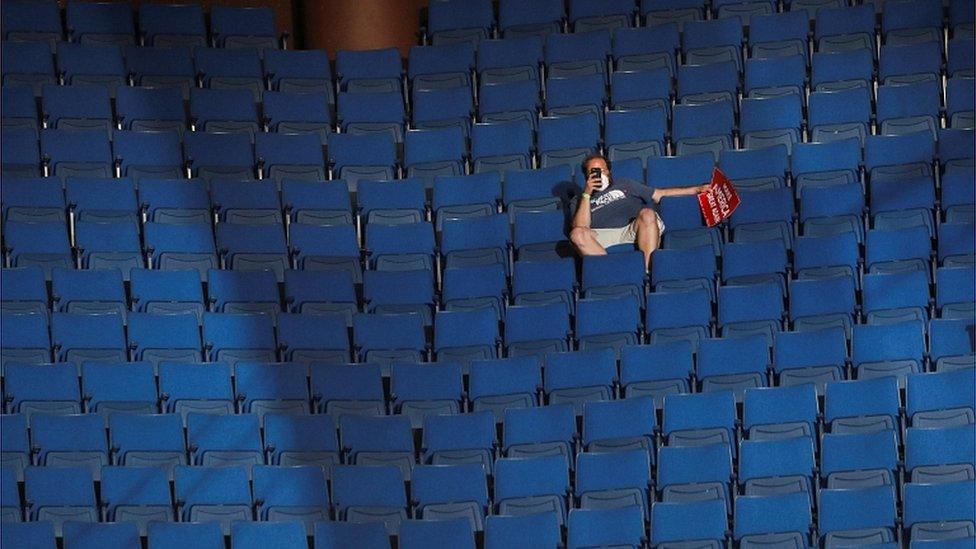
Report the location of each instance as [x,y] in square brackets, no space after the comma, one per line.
[359,24]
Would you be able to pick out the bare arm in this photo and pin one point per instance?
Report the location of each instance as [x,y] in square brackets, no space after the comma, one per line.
[678,191]
[581,218]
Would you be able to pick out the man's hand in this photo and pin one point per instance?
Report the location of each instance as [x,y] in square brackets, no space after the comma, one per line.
[703,188]
[593,183]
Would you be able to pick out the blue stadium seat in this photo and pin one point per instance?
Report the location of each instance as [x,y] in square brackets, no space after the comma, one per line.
[501,146]
[681,315]
[960,19]
[421,390]
[841,29]
[166,292]
[535,329]
[136,495]
[76,108]
[954,297]
[545,431]
[939,400]
[772,519]
[464,196]
[370,494]
[752,309]
[909,108]
[253,247]
[466,335]
[38,244]
[223,155]
[695,473]
[510,531]
[672,366]
[642,50]
[335,535]
[827,256]
[779,34]
[376,70]
[861,406]
[755,262]
[233,338]
[476,287]
[476,241]
[684,269]
[700,521]
[673,11]
[699,419]
[250,27]
[532,485]
[957,245]
[933,456]
[679,171]
[587,15]
[451,492]
[839,114]
[222,110]
[318,248]
[771,121]
[764,215]
[544,282]
[573,95]
[287,156]
[620,426]
[148,441]
[705,127]
[910,63]
[33,200]
[230,69]
[391,202]
[775,76]
[537,19]
[254,203]
[89,291]
[400,247]
[168,68]
[842,70]
[70,441]
[895,349]
[500,384]
[635,133]
[778,467]
[172,25]
[432,152]
[102,200]
[508,101]
[460,21]
[100,534]
[857,516]
[389,338]
[32,22]
[21,156]
[443,108]
[316,202]
[149,154]
[59,495]
[254,535]
[243,292]
[959,104]
[339,388]
[24,291]
[88,337]
[538,189]
[960,63]
[817,304]
[293,112]
[939,511]
[707,83]
[613,480]
[224,440]
[302,440]
[860,460]
[100,23]
[299,72]
[611,525]
[579,53]
[910,24]
[213,494]
[511,60]
[446,66]
[110,389]
[614,275]
[580,377]
[313,337]
[263,389]
[733,363]
[29,63]
[459,439]
[756,169]
[16,448]
[365,113]
[607,323]
[896,297]
[205,534]
[92,64]
[82,153]
[321,292]
[150,109]
[896,250]
[714,41]
[419,534]
[185,388]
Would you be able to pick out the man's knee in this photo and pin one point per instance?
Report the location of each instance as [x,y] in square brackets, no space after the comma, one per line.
[647,217]
[580,236]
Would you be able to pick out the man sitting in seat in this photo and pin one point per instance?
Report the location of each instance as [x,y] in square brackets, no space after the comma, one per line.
[618,211]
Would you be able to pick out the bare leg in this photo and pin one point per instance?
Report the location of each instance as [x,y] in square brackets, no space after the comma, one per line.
[585,241]
[648,234]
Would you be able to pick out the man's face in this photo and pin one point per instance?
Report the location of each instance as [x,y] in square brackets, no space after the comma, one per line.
[598,163]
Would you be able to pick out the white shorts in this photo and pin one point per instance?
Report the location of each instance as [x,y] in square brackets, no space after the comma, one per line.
[622,235]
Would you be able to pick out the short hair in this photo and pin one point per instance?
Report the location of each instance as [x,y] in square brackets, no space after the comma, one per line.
[591,158]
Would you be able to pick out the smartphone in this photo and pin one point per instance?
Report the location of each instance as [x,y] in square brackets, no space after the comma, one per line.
[604,179]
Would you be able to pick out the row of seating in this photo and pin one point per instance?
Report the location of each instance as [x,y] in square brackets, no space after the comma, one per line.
[758,519]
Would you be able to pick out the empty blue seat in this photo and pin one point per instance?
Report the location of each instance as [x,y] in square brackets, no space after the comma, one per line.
[76,107]
[33,200]
[939,400]
[316,202]
[640,49]
[294,112]
[29,63]
[568,96]
[136,495]
[167,68]
[169,292]
[356,157]
[939,511]
[753,262]
[500,384]
[391,202]
[508,101]
[419,534]
[705,127]
[466,335]
[318,248]
[314,337]
[224,155]
[895,297]
[92,64]
[951,344]
[764,215]
[535,329]
[267,535]
[860,460]
[827,256]
[302,440]
[603,323]
[672,12]
[320,292]
[338,389]
[840,114]
[213,494]
[445,66]
[909,108]
[619,426]
[388,338]
[102,200]
[459,439]
[227,69]
[756,169]
[894,250]
[232,440]
[841,70]
[540,18]
[635,133]
[286,156]
[24,291]
[544,431]
[509,531]
[532,485]
[567,380]
[88,291]
[700,520]
[910,63]
[775,76]
[707,83]
[768,519]
[432,152]
[476,241]
[88,337]
[59,495]
[587,527]
[243,292]
[100,23]
[695,473]
[334,535]
[100,534]
[253,247]
[839,29]
[771,121]
[934,456]
[41,244]
[207,534]
[420,390]
[817,304]
[684,269]
[713,41]
[681,315]
[360,113]
[544,282]
[32,22]
[369,70]
[250,27]
[150,109]
[861,406]
[439,108]
[909,24]
[583,52]
[698,419]
[370,494]
[752,309]
[15,455]
[733,363]
[70,441]
[82,153]
[852,516]
[149,154]
[299,71]
[25,338]
[514,59]
[112,388]
[291,494]
[172,25]
[400,247]
[957,245]
[960,62]
[451,492]
[460,21]
[953,296]
[585,15]
[777,467]
[148,441]
[239,337]
[656,370]
[959,104]
[263,389]
[253,203]
[501,146]
[185,388]
[220,110]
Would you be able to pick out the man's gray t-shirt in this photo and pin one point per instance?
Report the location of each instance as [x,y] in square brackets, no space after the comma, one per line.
[618,205]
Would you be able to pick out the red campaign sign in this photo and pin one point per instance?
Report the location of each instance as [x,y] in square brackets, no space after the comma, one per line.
[719,201]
